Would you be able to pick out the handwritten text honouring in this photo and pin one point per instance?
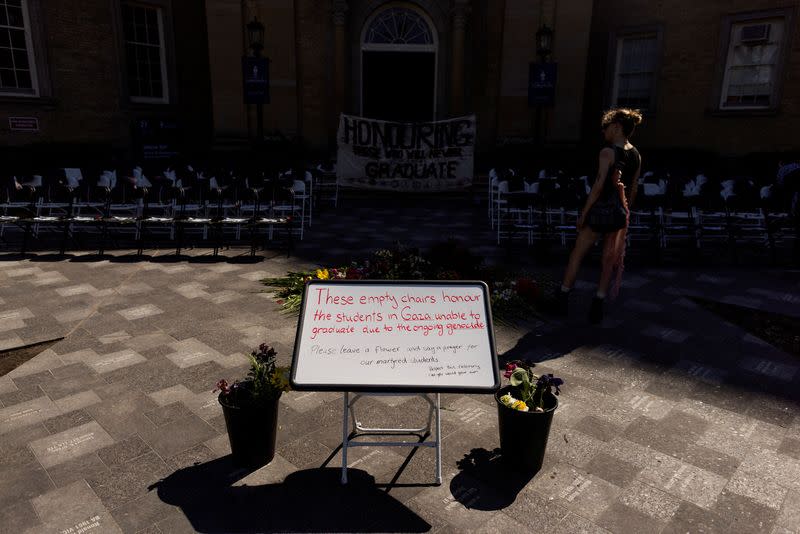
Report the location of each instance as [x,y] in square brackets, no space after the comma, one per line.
[432,332]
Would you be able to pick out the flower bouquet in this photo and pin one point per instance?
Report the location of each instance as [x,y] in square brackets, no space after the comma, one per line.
[525,411]
[250,407]
[530,388]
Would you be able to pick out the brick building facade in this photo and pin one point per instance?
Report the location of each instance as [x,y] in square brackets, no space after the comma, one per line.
[91,73]
[680,61]
[721,76]
[320,54]
[717,76]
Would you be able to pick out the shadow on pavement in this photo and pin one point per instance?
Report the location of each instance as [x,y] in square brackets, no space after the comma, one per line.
[312,500]
[486,482]
[235,256]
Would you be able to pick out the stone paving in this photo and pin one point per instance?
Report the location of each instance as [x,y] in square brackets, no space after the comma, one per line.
[671,420]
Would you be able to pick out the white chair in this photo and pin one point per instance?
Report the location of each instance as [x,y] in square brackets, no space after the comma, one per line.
[517,219]
[327,185]
[295,207]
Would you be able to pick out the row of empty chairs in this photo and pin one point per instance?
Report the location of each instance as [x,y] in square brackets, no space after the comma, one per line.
[178,202]
[668,212]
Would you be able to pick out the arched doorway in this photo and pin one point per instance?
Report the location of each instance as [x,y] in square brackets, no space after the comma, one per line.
[398,65]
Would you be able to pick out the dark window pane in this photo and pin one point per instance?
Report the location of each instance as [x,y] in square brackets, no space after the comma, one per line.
[17,38]
[20,59]
[152,18]
[5,40]
[5,59]
[7,78]
[155,72]
[152,27]
[144,88]
[153,54]
[15,17]
[3,17]
[152,33]
[24,79]
[158,90]
[139,16]
[140,34]
[17,3]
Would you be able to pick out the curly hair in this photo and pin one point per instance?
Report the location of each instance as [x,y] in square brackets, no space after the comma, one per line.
[628,118]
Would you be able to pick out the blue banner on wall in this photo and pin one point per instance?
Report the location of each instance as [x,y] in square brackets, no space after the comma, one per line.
[542,84]
[255,71]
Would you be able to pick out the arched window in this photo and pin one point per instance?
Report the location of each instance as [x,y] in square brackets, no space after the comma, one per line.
[398,26]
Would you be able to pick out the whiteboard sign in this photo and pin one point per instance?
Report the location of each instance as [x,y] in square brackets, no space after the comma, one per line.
[358,335]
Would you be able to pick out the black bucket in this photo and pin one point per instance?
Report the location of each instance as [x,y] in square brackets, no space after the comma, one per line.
[523,435]
[252,431]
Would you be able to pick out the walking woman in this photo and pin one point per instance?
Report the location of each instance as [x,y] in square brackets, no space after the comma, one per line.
[607,209]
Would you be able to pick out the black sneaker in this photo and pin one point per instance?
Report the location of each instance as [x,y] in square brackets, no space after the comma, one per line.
[561,302]
[596,311]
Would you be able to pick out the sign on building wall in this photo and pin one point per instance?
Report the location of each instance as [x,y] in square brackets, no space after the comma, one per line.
[422,156]
[255,72]
[156,138]
[542,84]
[23,124]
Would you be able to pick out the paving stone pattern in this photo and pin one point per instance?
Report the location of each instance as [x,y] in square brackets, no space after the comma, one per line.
[671,419]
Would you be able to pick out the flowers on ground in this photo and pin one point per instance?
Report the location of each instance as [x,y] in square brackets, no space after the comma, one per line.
[512,297]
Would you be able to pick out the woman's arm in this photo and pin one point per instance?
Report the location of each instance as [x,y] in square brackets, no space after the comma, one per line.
[605,160]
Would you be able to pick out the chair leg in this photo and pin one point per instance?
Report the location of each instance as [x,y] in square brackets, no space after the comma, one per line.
[25,237]
[64,237]
[140,239]
[179,239]
[103,235]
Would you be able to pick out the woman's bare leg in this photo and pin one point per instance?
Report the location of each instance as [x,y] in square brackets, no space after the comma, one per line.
[584,241]
[609,250]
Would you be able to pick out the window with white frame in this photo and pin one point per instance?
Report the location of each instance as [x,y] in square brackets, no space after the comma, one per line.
[635,71]
[145,55]
[17,66]
[752,64]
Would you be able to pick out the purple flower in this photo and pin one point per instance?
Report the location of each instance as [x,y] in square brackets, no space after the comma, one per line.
[547,381]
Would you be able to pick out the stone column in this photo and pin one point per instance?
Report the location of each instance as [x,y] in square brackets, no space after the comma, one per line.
[340,9]
[459,24]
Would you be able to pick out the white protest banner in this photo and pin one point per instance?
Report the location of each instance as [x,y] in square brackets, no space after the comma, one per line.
[397,156]
[395,336]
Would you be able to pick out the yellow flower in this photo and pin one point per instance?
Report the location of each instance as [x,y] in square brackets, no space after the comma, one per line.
[508,400]
[322,274]
[520,405]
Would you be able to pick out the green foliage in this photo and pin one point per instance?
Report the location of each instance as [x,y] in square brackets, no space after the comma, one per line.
[521,380]
[528,387]
[513,295]
[265,381]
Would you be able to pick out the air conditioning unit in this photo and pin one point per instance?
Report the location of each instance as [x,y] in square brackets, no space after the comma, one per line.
[754,34]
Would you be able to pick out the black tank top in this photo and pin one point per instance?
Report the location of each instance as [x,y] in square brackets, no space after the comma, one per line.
[627,161]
